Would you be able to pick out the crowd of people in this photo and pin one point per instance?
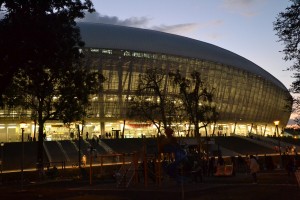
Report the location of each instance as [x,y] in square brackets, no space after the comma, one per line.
[248,164]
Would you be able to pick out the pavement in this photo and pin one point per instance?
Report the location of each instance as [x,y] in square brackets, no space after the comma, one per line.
[271,185]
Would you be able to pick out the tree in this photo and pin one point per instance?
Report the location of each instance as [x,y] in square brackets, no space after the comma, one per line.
[151,101]
[40,58]
[197,100]
[287,26]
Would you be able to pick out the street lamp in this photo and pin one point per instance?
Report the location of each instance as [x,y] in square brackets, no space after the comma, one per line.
[92,151]
[22,126]
[2,159]
[276,123]
[79,125]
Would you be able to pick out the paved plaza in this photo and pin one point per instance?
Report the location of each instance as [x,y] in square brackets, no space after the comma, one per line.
[272,185]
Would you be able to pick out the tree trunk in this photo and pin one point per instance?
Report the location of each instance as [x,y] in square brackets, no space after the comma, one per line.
[40,150]
[206,131]
[79,147]
[197,136]
[123,131]
[34,131]
[197,133]
[206,141]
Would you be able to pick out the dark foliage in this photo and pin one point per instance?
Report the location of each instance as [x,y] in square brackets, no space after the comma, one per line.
[40,58]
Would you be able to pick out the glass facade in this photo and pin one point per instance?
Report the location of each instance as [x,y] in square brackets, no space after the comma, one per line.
[246,102]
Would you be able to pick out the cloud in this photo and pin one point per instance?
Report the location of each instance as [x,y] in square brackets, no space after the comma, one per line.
[96,17]
[214,23]
[177,29]
[188,27]
[246,8]
[238,3]
[138,22]
[144,22]
[214,36]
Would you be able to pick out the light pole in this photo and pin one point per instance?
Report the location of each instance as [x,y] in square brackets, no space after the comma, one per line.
[79,145]
[92,150]
[22,126]
[2,159]
[277,134]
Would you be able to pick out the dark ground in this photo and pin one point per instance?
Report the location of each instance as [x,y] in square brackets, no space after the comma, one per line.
[274,185]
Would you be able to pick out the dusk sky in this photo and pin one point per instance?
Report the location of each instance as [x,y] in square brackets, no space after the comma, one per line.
[244,27]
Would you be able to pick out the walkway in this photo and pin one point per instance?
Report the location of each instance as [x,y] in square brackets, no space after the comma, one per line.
[269,182]
[272,185]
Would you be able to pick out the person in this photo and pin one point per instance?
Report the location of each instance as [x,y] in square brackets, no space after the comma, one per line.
[241,164]
[87,135]
[72,135]
[94,140]
[83,160]
[233,162]
[254,168]
[220,166]
[211,166]
[55,171]
[247,160]
[290,166]
[220,160]
[197,172]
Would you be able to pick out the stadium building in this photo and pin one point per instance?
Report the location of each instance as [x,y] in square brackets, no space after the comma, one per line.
[248,98]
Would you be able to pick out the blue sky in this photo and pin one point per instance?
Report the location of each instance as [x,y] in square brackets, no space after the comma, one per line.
[244,27]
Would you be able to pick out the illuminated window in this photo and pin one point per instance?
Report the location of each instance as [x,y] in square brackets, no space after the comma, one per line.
[106,51]
[126,53]
[95,50]
[137,54]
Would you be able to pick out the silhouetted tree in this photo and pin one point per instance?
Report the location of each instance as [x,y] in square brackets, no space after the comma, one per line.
[151,101]
[287,26]
[40,58]
[197,99]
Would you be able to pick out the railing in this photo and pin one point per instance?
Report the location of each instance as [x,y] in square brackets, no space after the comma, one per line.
[47,151]
[62,149]
[75,145]
[125,175]
[105,147]
[54,164]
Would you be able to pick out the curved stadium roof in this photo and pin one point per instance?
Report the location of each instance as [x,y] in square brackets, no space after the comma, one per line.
[96,35]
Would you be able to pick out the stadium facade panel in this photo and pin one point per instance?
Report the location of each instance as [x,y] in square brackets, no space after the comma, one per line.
[248,98]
